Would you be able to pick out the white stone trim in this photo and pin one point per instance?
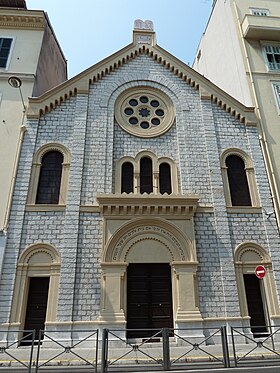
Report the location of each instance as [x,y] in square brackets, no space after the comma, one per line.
[35,172]
[250,173]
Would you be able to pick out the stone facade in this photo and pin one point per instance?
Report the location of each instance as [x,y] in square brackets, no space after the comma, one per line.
[86,242]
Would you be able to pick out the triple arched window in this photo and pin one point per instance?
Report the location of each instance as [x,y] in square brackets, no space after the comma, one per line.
[146,174]
[49,176]
[239,179]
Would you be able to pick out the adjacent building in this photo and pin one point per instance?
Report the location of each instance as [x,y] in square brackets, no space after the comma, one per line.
[240,52]
[29,51]
[141,202]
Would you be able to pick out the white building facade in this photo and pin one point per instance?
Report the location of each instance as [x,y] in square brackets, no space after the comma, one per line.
[240,52]
[30,52]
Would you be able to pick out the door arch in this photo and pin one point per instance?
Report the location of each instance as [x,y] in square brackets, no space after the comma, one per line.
[38,271]
[253,293]
[150,241]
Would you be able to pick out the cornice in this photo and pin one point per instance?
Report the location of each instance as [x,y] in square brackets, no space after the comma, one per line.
[81,83]
[27,20]
[4,75]
[147,204]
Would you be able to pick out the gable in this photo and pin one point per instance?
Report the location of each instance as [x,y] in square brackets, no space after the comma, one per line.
[81,82]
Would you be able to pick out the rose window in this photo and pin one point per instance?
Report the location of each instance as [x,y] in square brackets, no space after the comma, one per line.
[144,112]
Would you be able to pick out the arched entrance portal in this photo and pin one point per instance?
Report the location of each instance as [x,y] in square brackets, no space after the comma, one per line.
[149,277]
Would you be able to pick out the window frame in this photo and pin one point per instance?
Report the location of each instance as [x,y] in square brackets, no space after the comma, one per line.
[238,181]
[165,104]
[35,174]
[275,85]
[250,173]
[10,51]
[156,162]
[254,12]
[50,171]
[269,64]
[124,183]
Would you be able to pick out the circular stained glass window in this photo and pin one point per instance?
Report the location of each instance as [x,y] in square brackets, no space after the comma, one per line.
[144,112]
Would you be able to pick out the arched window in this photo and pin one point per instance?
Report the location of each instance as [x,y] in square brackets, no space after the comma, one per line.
[165,178]
[238,183]
[146,175]
[50,178]
[127,175]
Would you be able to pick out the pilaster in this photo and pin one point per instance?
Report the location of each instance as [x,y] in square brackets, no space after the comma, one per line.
[71,222]
[226,274]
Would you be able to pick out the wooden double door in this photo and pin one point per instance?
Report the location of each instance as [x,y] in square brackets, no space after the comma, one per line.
[149,299]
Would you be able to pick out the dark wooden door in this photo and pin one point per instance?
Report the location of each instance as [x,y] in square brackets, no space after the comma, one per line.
[37,304]
[255,304]
[149,298]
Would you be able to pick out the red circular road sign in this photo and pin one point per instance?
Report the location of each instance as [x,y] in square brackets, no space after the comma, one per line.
[260,271]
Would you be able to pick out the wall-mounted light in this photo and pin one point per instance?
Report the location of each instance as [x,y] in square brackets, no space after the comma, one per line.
[16,82]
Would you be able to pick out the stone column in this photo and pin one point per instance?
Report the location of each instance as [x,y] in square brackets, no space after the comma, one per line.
[186,297]
[112,293]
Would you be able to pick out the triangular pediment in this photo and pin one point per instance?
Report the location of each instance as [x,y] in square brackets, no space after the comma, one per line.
[80,83]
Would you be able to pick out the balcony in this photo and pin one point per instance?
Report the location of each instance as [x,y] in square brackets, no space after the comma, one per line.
[261,27]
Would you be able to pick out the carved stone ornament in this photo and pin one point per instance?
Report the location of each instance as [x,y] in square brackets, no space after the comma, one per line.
[143,25]
[144,39]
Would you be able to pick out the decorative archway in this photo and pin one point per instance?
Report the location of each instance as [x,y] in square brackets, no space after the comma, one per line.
[151,240]
[246,257]
[38,260]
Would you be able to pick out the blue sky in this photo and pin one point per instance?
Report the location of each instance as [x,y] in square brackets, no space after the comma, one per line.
[90,30]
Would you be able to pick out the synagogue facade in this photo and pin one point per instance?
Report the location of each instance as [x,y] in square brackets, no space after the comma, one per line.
[141,201]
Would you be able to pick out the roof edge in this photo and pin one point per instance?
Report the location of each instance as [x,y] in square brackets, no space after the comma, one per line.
[81,83]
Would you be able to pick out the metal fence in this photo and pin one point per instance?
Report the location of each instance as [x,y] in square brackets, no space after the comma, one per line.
[168,348]
[200,349]
[248,349]
[165,349]
[52,348]
[10,352]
